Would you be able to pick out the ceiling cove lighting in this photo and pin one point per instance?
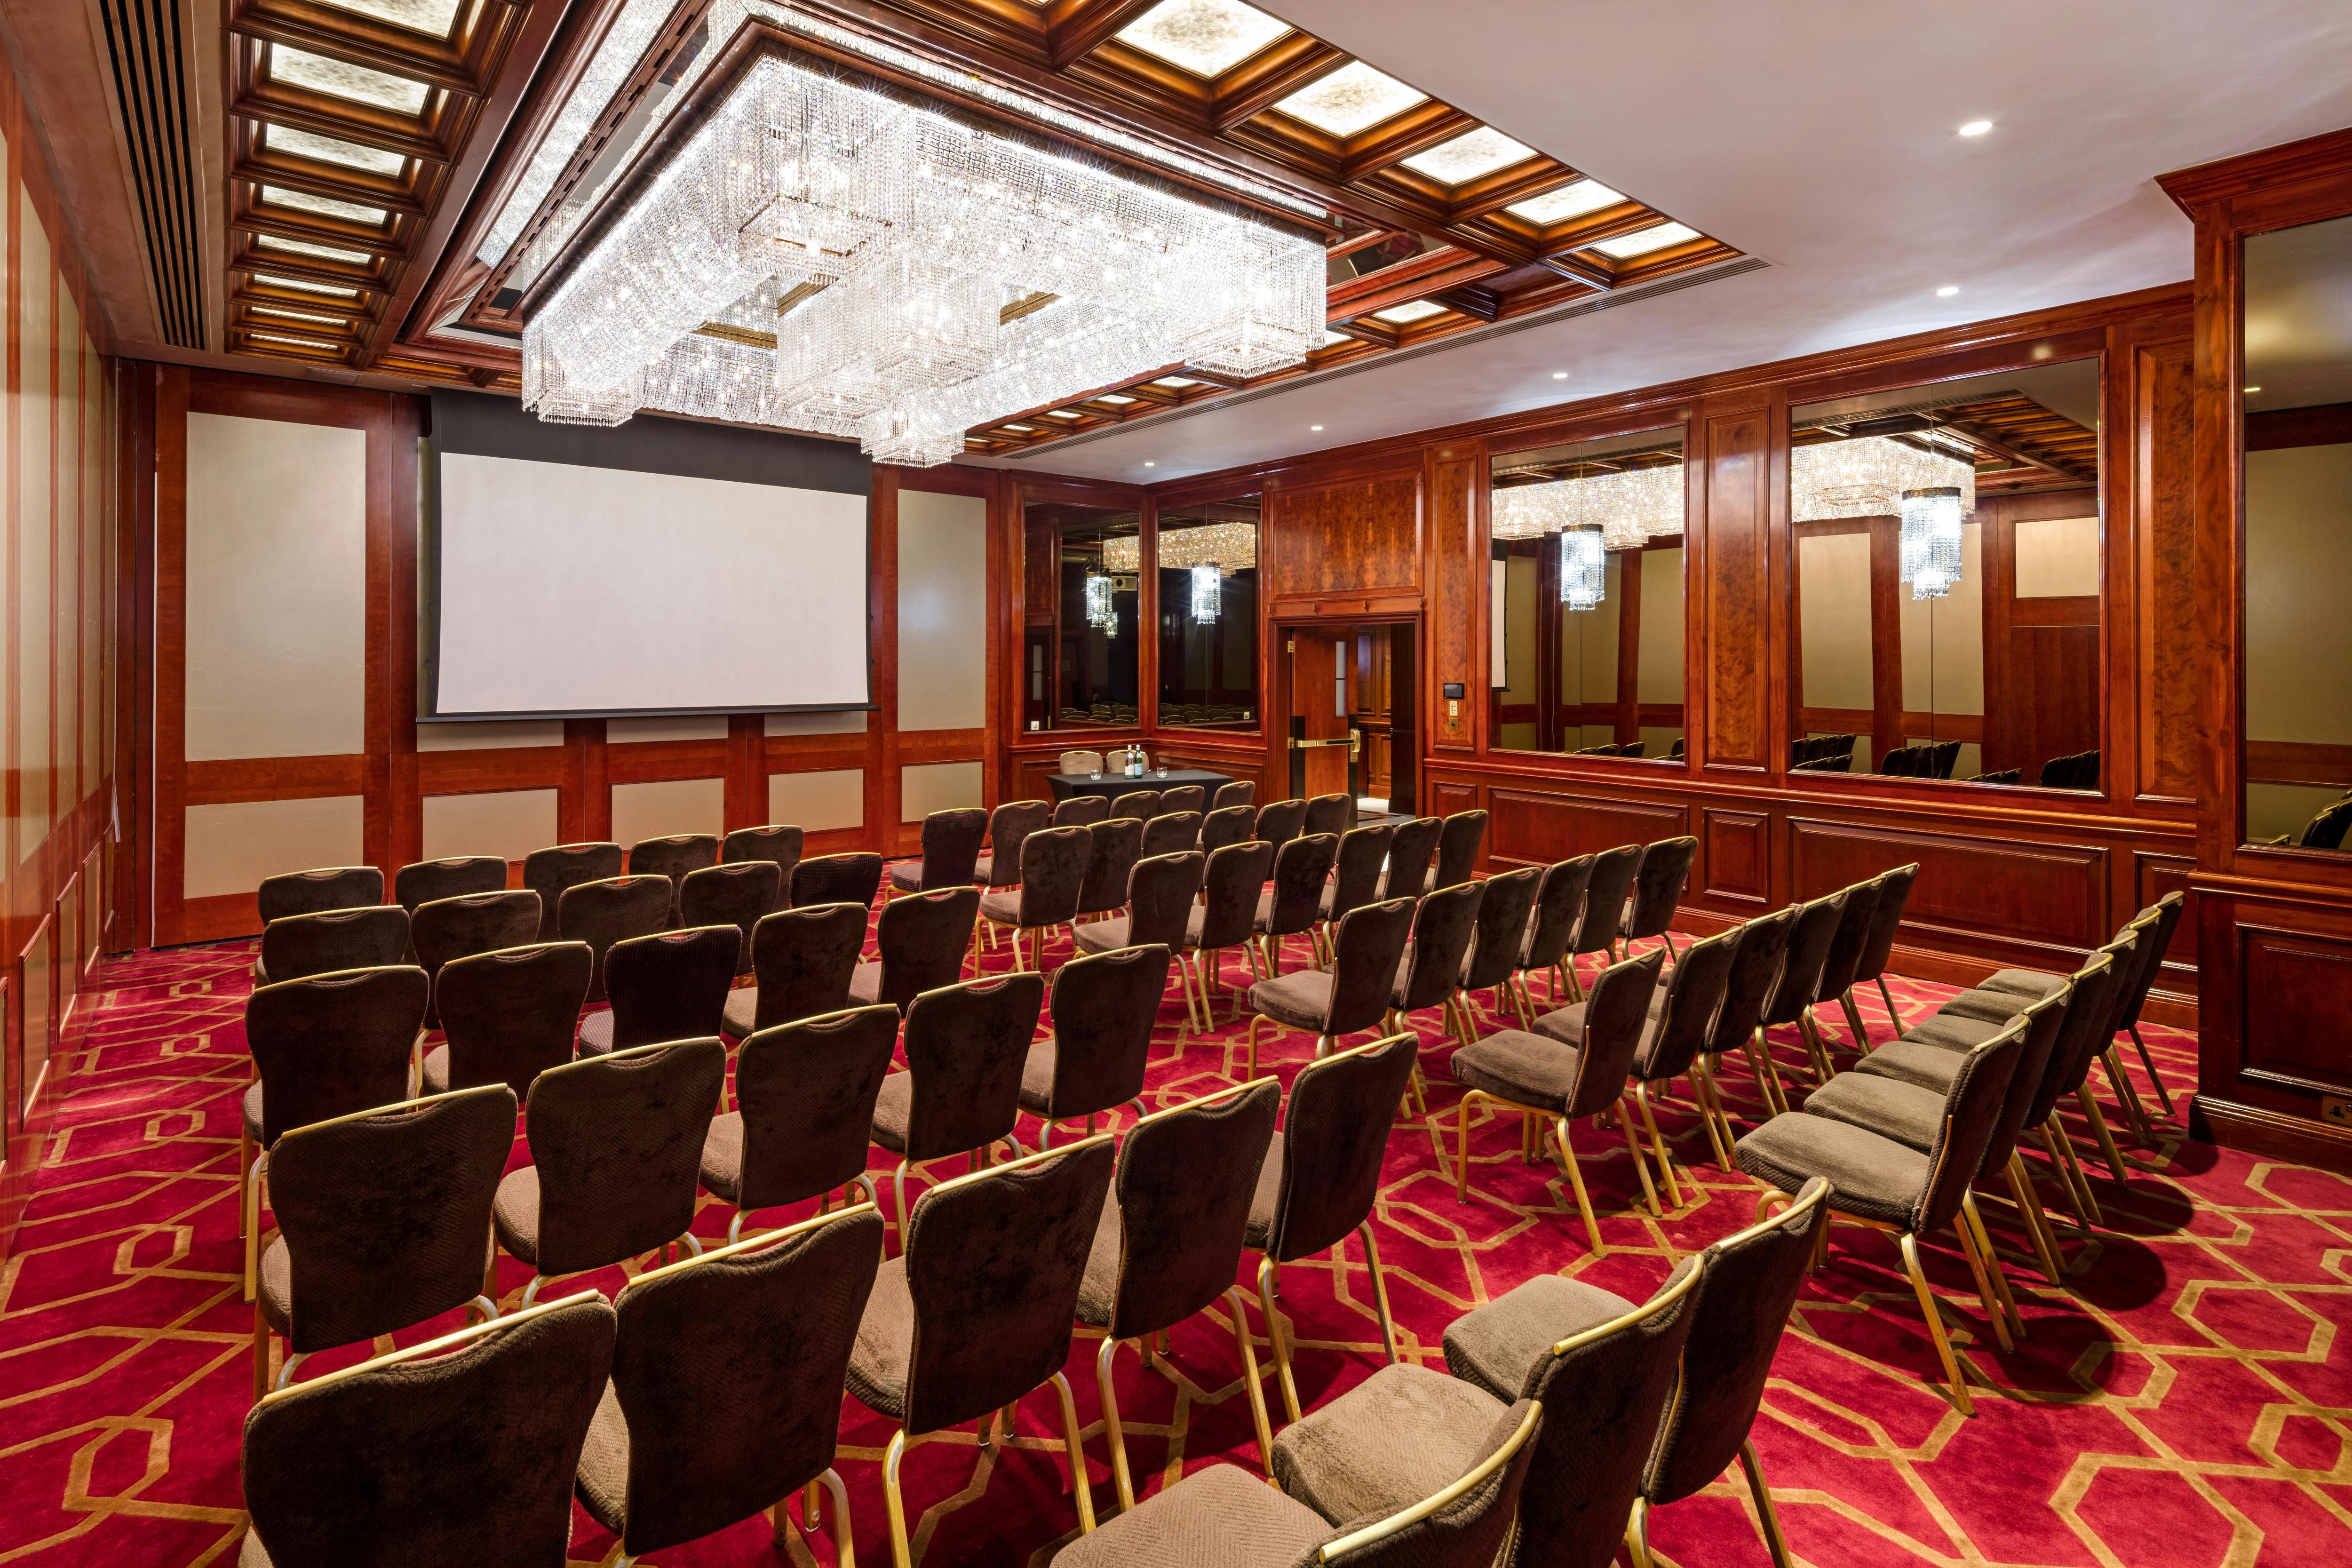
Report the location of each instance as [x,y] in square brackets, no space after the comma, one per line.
[1353,98]
[1207,37]
[908,238]
[1411,310]
[277,196]
[431,18]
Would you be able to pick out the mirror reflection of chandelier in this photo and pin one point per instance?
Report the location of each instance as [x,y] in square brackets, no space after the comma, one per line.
[1583,568]
[1629,508]
[1207,592]
[1932,492]
[1231,546]
[1101,613]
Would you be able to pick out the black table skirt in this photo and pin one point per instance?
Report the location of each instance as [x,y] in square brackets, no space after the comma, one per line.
[1110,786]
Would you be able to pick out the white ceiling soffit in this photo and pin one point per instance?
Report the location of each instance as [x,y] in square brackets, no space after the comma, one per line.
[1819,135]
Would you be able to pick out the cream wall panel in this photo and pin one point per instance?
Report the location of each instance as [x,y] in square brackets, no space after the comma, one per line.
[818,801]
[511,822]
[2298,560]
[1834,576]
[230,848]
[36,411]
[942,611]
[926,787]
[850,723]
[1943,639]
[2057,557]
[669,807]
[490,735]
[277,588]
[620,731]
[1659,678]
[1517,611]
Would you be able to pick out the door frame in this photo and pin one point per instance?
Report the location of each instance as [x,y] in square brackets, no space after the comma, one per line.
[1278,629]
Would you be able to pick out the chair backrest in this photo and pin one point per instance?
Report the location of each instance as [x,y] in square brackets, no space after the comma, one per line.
[1694,995]
[311,892]
[1081,810]
[1142,805]
[806,1091]
[1458,840]
[369,937]
[803,960]
[671,985]
[1240,792]
[1411,853]
[614,910]
[1603,919]
[852,878]
[511,1015]
[551,872]
[426,880]
[1080,762]
[1886,922]
[463,1449]
[1755,971]
[2167,910]
[1300,866]
[1053,871]
[777,842]
[1973,1108]
[1334,1140]
[2093,994]
[1170,833]
[1329,814]
[922,938]
[1280,821]
[1658,886]
[1809,950]
[951,846]
[1560,904]
[384,1213]
[1008,826]
[2043,1020]
[1227,824]
[729,1370]
[1194,798]
[1616,1012]
[1186,1176]
[966,1046]
[1160,893]
[328,1045]
[1846,943]
[673,856]
[618,1144]
[444,929]
[1365,948]
[2098,1034]
[1355,877]
[1230,889]
[1442,929]
[740,895]
[993,1264]
[1747,1285]
[2325,829]
[1505,903]
[1462,1525]
[1103,1008]
[1112,846]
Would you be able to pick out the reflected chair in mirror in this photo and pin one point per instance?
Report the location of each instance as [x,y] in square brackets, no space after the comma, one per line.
[1412,852]
[616,1147]
[1658,892]
[1800,982]
[1159,894]
[740,895]
[967,1046]
[382,1221]
[1333,813]
[673,856]
[1092,1059]
[2325,830]
[1194,798]
[1506,905]
[922,938]
[1321,1176]
[1281,821]
[444,929]
[462,1450]
[1291,905]
[1080,762]
[1856,923]
[601,913]
[1605,892]
[1351,997]
[670,986]
[1999,776]
[1142,805]
[551,873]
[1561,1083]
[727,1386]
[1355,880]
[1430,972]
[1885,1186]
[317,891]
[951,841]
[1052,870]
[801,962]
[779,843]
[322,1046]
[1226,918]
[2079,770]
[1082,811]
[1841,762]
[508,1017]
[295,947]
[804,1097]
[1885,924]
[850,879]
[978,1310]
[1170,1241]
[1560,904]
[424,882]
[1170,833]
[1000,865]
[1112,849]
[1755,970]
[1459,839]
[1228,824]
[1240,792]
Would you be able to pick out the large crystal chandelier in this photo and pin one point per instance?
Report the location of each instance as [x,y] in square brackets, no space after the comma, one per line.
[820,255]
[1932,492]
[1930,550]
[1629,508]
[1102,613]
[1583,568]
[1230,546]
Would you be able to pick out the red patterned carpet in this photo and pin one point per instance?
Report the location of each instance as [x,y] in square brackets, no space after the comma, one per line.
[2186,1402]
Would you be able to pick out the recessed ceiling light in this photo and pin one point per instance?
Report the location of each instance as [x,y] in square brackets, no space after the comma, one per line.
[431,16]
[304,247]
[2253,389]
[1643,241]
[1947,291]
[1332,339]
[1207,37]
[1315,427]
[1353,98]
[1559,376]
[1568,201]
[1113,397]
[1976,128]
[341,78]
[1178,382]
[1150,465]
[1059,414]
[305,285]
[1411,310]
[278,313]
[1481,151]
[1025,430]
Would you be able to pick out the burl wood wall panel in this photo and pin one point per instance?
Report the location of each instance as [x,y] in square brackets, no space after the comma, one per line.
[1360,535]
[1735,587]
[2166,522]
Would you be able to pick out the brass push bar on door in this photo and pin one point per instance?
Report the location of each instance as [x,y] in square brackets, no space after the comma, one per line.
[1354,742]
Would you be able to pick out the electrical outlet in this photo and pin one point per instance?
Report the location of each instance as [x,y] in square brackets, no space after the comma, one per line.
[2336,1110]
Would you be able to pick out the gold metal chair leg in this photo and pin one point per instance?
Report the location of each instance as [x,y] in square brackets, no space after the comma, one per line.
[1760,1063]
[254,1179]
[1641,1161]
[2079,1196]
[1910,1244]
[1274,1338]
[2127,1096]
[1765,1518]
[1575,981]
[1576,1182]
[1816,1047]
[1075,1453]
[2029,1204]
[1637,1533]
[1985,1295]
[1854,1021]
[1894,1014]
[2007,1324]
[2155,1080]
[1380,1289]
[900,1557]
[1657,1143]
[1461,1147]
[1710,1108]
[260,1354]
[2090,1104]
[244,1180]
[1251,1076]
[1249,1376]
[1113,1436]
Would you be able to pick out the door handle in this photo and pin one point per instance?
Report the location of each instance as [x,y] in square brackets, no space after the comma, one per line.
[1298,745]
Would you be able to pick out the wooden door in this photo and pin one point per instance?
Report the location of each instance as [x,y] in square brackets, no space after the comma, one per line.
[1319,728]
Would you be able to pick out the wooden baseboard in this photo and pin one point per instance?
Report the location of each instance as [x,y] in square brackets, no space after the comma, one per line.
[2260,1131]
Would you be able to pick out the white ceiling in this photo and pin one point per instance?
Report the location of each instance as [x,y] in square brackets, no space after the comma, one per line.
[1819,135]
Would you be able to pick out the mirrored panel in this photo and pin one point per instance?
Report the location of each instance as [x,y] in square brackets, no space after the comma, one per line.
[1207,561]
[2298,498]
[1079,644]
[1946,566]
[1585,596]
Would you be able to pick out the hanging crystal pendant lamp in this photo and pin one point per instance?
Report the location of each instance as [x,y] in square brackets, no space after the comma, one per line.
[1931,540]
[1207,580]
[1583,568]
[1101,613]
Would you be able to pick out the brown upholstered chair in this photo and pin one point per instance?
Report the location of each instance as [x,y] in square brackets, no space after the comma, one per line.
[1430,972]
[1169,1242]
[1885,1186]
[508,1017]
[1658,891]
[1539,1076]
[1228,824]
[424,882]
[779,843]
[1170,833]
[673,855]
[1113,847]
[1159,894]
[1183,798]
[1079,761]
[804,1097]
[1886,922]
[952,842]
[802,961]
[615,1146]
[444,929]
[851,878]
[1800,982]
[1227,916]
[977,1311]
[1142,805]
[601,913]
[1279,822]
[1008,825]
[361,1467]
[1291,905]
[1093,1059]
[1348,998]
[295,947]
[740,895]
[966,1047]
[922,938]
[315,892]
[551,872]
[1839,968]
[322,1046]
[1459,838]
[1322,1174]
[1755,971]
[1240,792]
[1355,879]
[1606,892]
[2167,910]
[1560,904]
[727,1383]
[1052,869]
[1413,851]
[1332,814]
[382,1217]
[671,985]
[1506,906]
[1082,811]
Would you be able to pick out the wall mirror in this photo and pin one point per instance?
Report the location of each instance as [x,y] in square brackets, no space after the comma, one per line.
[1585,597]
[2298,520]
[1080,651]
[1207,565]
[1947,583]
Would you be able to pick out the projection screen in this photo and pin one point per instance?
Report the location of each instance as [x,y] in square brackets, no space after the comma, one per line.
[663,567]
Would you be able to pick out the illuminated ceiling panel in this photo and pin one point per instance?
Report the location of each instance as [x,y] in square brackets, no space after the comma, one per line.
[280,196]
[341,78]
[304,247]
[1353,98]
[1481,151]
[1207,37]
[332,149]
[1643,241]
[305,286]
[1568,201]
[1411,310]
[434,18]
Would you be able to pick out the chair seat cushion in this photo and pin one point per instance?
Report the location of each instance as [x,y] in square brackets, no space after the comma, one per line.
[596,1034]
[722,1157]
[1926,1066]
[603,1480]
[1037,1077]
[1499,1346]
[252,1554]
[1264,916]
[1264,1200]
[1954,1031]
[514,1213]
[1103,936]
[1099,1290]
[1887,1106]
[885,1342]
[1302,1000]
[1222,1514]
[1400,1435]
[906,876]
[1004,909]
[1985,1007]
[1873,1176]
[892,1109]
[1524,1068]
[742,1011]
[2033,984]
[250,1106]
[866,986]
[274,1287]
[436,1070]
[1567,1024]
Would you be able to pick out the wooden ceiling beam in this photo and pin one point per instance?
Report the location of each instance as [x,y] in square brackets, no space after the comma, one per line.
[1290,66]
[1501,188]
[1417,129]
[1471,300]
[1087,24]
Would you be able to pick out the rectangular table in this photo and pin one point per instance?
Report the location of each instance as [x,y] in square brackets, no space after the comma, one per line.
[1110,786]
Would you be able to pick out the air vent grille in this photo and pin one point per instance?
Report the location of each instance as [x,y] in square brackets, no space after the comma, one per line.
[147,55]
